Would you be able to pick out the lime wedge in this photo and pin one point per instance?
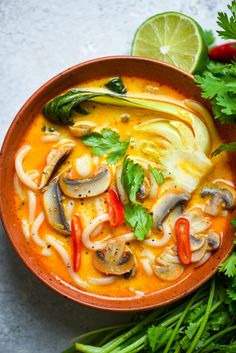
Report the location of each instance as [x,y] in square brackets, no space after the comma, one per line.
[173,38]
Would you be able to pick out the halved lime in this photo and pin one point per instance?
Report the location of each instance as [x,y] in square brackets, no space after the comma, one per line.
[173,38]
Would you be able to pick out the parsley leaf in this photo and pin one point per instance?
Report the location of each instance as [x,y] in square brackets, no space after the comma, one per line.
[158,176]
[228,24]
[116,85]
[108,141]
[229,147]
[209,37]
[131,178]
[228,267]
[139,219]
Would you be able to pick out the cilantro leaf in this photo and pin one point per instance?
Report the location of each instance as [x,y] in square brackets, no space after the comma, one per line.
[139,219]
[209,37]
[233,222]
[191,329]
[158,336]
[158,176]
[218,83]
[228,24]
[219,320]
[131,178]
[108,141]
[231,292]
[116,85]
[228,267]
[197,313]
[229,147]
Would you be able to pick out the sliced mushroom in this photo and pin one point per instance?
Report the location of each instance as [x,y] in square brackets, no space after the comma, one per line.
[131,273]
[52,201]
[117,259]
[220,199]
[144,189]
[81,128]
[170,272]
[198,255]
[55,158]
[213,240]
[198,223]
[204,259]
[81,188]
[197,241]
[166,203]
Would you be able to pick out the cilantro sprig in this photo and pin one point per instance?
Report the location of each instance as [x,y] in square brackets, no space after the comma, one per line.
[218,81]
[209,37]
[139,219]
[218,84]
[131,178]
[227,24]
[228,267]
[107,142]
[135,214]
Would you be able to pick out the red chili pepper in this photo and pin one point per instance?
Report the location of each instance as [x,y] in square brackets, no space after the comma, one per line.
[224,52]
[182,233]
[115,208]
[76,232]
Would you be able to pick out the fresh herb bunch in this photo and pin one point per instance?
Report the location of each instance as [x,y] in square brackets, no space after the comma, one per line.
[108,141]
[202,323]
[218,85]
[218,80]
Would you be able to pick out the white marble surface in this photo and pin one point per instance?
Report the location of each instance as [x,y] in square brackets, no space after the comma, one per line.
[38,39]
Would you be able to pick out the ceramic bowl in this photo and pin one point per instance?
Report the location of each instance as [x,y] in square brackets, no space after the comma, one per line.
[109,66]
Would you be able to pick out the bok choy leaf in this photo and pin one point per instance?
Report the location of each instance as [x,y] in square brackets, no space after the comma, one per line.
[60,110]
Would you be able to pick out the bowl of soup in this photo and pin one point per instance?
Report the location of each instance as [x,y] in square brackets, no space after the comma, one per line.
[109,190]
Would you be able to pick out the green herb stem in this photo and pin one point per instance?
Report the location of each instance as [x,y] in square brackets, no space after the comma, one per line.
[205,318]
[102,330]
[134,346]
[85,348]
[181,319]
[127,335]
[109,336]
[217,336]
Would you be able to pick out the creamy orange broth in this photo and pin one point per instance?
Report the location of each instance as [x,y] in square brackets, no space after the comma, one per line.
[109,116]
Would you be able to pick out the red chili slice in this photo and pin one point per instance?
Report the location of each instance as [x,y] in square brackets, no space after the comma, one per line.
[115,208]
[182,232]
[76,232]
